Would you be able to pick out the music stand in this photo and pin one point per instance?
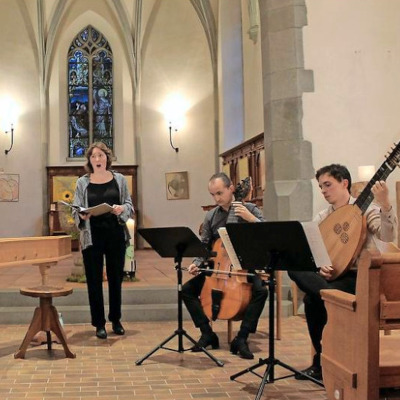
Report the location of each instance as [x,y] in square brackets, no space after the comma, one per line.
[272,246]
[176,242]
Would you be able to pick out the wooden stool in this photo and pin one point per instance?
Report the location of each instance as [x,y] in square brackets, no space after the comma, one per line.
[45,317]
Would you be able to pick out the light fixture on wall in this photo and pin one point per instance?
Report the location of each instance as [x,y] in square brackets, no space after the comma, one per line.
[170,137]
[174,113]
[12,139]
[8,116]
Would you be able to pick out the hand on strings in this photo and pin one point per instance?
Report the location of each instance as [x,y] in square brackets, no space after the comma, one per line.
[242,212]
[193,269]
[381,195]
[326,272]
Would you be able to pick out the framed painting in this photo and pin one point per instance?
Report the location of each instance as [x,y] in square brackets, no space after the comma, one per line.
[9,187]
[177,185]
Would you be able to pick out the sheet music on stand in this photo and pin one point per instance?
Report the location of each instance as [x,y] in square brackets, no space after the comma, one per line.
[223,234]
[276,246]
[316,243]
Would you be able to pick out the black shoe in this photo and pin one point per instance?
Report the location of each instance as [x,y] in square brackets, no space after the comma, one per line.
[313,372]
[240,346]
[205,341]
[118,329]
[101,332]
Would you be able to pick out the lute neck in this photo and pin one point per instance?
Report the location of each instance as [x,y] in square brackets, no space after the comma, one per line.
[365,198]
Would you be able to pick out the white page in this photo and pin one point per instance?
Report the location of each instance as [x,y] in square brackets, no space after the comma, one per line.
[229,248]
[316,243]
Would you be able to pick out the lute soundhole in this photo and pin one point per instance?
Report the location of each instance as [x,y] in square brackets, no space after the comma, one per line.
[344,237]
[337,229]
[341,230]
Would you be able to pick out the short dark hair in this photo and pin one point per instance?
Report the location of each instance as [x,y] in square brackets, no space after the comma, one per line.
[102,147]
[225,178]
[337,171]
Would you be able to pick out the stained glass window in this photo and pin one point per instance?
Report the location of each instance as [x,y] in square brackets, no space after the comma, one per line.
[90,92]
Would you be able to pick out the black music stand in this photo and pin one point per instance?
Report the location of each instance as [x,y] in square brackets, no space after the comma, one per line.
[176,242]
[272,246]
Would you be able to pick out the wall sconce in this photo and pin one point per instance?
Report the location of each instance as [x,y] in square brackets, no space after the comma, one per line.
[174,112]
[12,139]
[9,112]
[170,137]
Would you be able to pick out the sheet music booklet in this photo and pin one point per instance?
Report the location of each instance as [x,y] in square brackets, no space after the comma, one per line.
[314,238]
[94,211]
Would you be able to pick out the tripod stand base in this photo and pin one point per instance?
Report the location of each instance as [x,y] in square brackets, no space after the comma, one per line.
[268,376]
[180,333]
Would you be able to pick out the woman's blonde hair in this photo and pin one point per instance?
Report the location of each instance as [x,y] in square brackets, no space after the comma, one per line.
[102,147]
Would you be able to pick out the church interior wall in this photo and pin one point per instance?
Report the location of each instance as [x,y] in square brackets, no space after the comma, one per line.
[175,61]
[19,85]
[352,116]
[252,70]
[76,19]
[230,74]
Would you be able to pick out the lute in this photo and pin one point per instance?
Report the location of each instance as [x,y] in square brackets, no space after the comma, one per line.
[345,230]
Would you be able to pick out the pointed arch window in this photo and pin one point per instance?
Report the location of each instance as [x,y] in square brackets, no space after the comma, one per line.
[90,92]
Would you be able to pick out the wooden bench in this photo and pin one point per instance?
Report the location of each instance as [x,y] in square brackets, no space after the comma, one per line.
[357,358]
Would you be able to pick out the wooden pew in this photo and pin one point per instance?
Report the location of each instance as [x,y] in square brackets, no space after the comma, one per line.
[44,252]
[357,359]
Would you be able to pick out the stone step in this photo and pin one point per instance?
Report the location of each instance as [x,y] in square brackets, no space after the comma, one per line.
[136,312]
[139,304]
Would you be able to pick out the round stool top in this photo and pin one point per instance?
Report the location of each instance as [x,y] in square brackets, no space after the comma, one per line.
[46,291]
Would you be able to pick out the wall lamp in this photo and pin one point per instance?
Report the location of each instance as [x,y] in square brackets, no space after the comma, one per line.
[12,139]
[170,137]
[174,110]
[9,112]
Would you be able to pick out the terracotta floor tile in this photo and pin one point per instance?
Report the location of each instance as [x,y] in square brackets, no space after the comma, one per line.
[107,370]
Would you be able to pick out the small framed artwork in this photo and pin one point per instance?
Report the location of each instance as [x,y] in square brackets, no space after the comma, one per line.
[177,185]
[9,187]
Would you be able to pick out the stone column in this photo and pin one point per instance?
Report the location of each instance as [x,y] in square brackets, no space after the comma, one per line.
[289,169]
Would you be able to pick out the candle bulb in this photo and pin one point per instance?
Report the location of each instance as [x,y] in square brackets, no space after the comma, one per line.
[131,228]
[130,262]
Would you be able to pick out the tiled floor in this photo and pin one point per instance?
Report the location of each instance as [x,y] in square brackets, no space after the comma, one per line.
[106,369]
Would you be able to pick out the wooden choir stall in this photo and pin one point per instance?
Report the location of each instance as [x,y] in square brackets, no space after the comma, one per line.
[358,359]
[43,252]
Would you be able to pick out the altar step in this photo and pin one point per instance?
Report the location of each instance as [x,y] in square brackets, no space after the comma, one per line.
[139,304]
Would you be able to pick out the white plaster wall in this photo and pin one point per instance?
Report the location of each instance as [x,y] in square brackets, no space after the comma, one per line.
[252,79]
[230,70]
[19,80]
[353,116]
[80,15]
[175,59]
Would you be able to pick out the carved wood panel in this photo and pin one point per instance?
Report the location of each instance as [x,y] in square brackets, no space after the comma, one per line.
[252,151]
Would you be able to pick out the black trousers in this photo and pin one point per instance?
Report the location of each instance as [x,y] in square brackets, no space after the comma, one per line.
[111,244]
[311,283]
[191,291]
